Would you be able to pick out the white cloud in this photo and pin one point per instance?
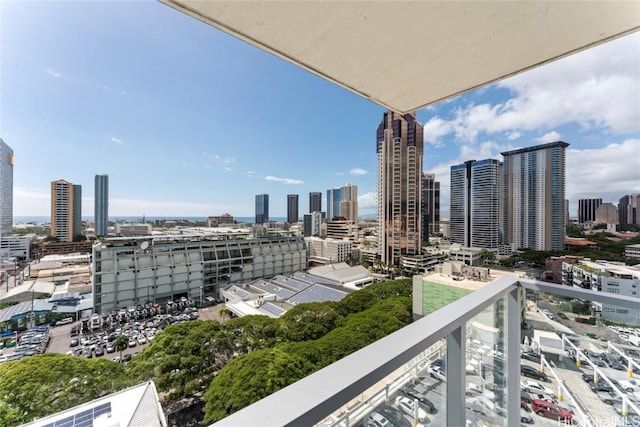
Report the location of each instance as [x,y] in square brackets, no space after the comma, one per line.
[358,171]
[226,169]
[283,180]
[513,135]
[594,88]
[53,73]
[434,129]
[609,172]
[368,201]
[116,140]
[549,137]
[229,160]
[250,174]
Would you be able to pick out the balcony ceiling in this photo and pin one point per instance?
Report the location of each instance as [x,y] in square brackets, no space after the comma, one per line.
[407,55]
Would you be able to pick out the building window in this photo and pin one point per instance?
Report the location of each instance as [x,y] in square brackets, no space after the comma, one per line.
[613,291]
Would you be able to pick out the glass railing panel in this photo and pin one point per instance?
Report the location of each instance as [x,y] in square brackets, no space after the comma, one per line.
[486,366]
[590,355]
[413,395]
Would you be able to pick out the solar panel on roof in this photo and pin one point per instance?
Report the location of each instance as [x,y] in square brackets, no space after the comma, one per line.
[317,293]
[84,418]
[272,308]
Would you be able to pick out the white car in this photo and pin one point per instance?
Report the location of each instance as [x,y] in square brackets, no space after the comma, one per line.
[473,388]
[531,386]
[437,373]
[407,406]
[630,386]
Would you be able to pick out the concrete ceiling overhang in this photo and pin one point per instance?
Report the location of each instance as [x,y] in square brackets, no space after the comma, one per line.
[405,55]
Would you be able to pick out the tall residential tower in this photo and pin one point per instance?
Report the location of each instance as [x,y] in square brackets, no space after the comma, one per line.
[292,208]
[400,147]
[66,210]
[101,205]
[333,203]
[6,189]
[534,194]
[430,206]
[348,208]
[315,202]
[475,204]
[262,208]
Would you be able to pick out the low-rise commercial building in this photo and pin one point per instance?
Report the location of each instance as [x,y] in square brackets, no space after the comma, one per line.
[128,271]
[127,229]
[632,251]
[606,276]
[15,247]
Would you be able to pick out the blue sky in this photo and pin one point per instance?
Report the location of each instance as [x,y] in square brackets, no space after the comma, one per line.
[188,121]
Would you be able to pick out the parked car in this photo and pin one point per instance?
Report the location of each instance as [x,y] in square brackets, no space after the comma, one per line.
[533,357]
[535,387]
[525,417]
[394,416]
[377,420]
[530,372]
[74,342]
[550,410]
[408,406]
[65,321]
[630,386]
[562,316]
[437,373]
[609,397]
[126,357]
[426,403]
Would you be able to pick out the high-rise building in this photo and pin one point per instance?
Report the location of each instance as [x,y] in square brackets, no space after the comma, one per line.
[315,202]
[534,194]
[607,213]
[400,148]
[475,203]
[333,203]
[587,209]
[66,210]
[623,209]
[262,208]
[6,189]
[312,224]
[629,209]
[292,208]
[348,208]
[101,205]
[430,206]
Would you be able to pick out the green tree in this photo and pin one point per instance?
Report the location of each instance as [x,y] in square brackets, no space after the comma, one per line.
[41,385]
[224,312]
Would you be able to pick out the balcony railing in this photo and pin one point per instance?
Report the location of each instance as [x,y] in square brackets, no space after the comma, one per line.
[382,367]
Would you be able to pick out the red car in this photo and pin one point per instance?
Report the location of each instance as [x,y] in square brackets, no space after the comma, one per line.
[549,410]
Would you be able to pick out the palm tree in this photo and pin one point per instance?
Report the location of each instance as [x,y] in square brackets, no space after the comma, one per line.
[121,344]
[223,312]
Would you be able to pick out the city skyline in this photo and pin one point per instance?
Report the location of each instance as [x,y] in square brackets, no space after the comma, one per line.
[144,107]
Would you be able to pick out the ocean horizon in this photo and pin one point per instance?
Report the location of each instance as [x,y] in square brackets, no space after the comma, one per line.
[40,220]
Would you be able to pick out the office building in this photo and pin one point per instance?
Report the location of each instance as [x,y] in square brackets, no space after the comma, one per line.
[128,229]
[328,250]
[534,194]
[587,209]
[475,203]
[101,205]
[430,206]
[6,189]
[292,208]
[333,203]
[315,202]
[312,224]
[130,271]
[606,213]
[348,208]
[15,246]
[262,208]
[629,209]
[400,150]
[66,210]
[607,277]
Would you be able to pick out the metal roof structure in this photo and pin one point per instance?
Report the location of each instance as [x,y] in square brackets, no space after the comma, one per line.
[407,55]
[135,406]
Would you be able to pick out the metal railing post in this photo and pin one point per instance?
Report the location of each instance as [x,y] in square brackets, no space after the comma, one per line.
[456,360]
[513,357]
